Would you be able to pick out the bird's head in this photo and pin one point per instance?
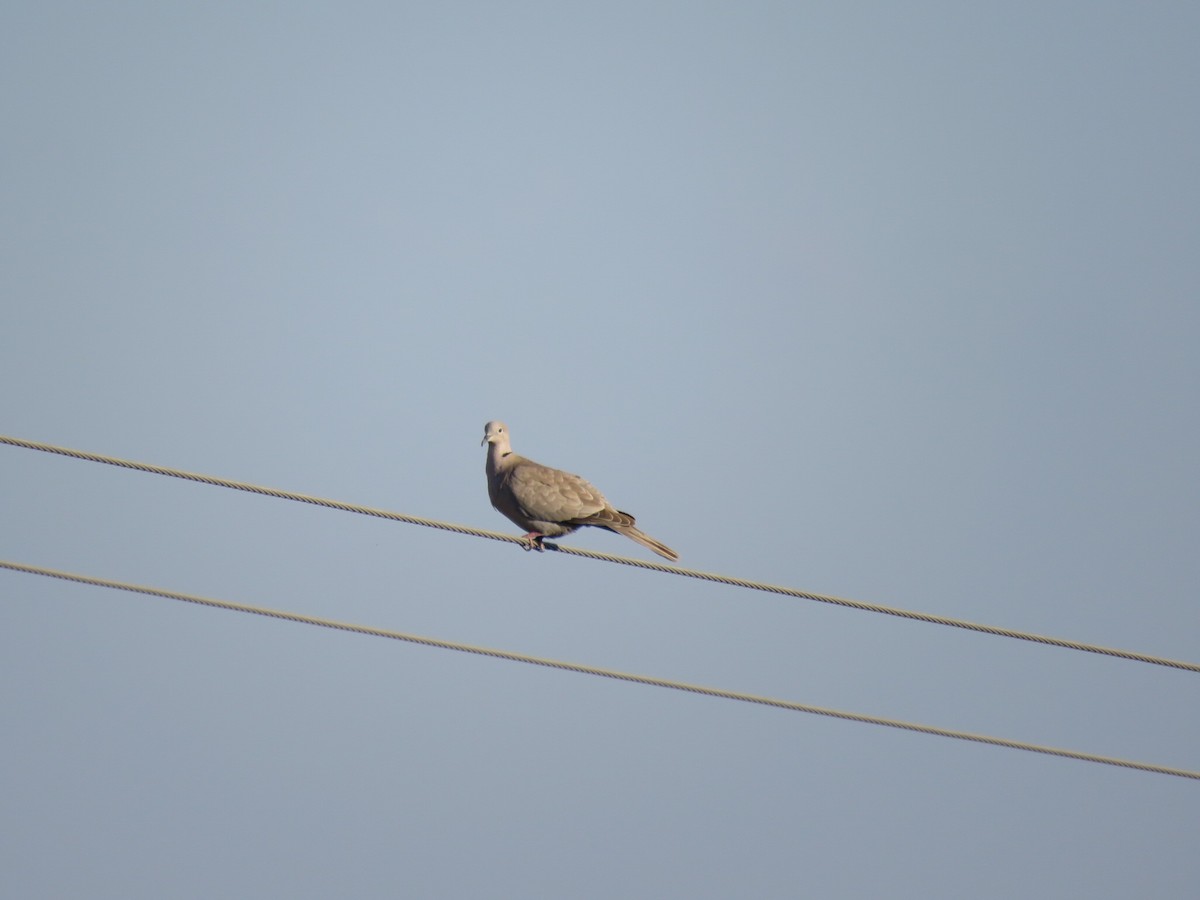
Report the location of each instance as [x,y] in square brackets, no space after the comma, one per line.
[494,433]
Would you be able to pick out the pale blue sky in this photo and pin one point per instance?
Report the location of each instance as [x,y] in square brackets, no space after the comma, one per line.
[899,302]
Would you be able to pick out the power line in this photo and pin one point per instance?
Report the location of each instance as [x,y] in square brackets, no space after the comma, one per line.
[607,557]
[512,656]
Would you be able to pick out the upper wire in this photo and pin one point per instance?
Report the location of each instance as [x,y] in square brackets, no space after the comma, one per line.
[914,615]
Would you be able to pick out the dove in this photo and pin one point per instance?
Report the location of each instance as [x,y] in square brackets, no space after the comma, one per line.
[548,502]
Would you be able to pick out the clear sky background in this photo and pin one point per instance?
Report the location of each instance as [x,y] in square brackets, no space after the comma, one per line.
[899,302]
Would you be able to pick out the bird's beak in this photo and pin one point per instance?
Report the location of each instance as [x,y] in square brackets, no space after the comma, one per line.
[484,441]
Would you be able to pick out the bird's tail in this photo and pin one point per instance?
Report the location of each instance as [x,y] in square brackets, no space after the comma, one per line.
[645,540]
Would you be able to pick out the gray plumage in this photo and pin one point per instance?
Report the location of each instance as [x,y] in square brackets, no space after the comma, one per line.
[548,502]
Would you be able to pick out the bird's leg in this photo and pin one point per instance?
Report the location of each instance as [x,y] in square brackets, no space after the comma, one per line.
[533,541]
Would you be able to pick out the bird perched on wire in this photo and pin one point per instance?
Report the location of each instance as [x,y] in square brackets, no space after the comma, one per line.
[548,502]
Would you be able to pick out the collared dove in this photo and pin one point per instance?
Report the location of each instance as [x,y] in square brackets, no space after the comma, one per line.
[548,502]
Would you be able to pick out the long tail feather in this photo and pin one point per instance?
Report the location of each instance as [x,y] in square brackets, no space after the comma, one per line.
[646,541]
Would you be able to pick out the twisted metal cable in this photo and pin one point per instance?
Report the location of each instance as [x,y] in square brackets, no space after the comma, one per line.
[929,618]
[652,681]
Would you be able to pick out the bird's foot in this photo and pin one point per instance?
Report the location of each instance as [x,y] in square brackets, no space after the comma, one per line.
[533,541]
